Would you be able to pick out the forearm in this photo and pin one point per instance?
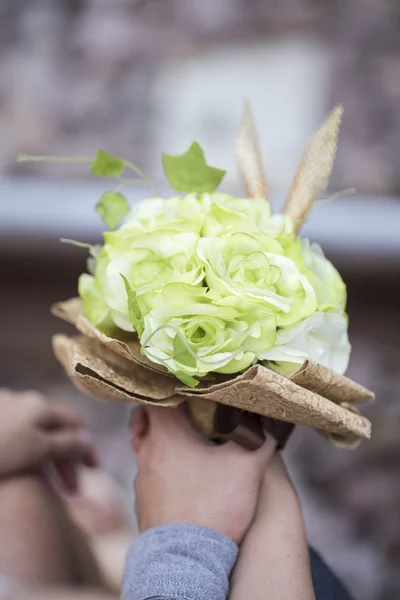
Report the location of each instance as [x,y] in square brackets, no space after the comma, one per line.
[39,544]
[179,561]
[274,560]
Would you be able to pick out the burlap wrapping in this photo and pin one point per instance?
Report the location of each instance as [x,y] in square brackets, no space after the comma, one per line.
[111,368]
[103,367]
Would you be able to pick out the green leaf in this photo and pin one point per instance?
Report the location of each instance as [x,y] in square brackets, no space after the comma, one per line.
[133,307]
[111,207]
[189,172]
[182,354]
[186,379]
[107,165]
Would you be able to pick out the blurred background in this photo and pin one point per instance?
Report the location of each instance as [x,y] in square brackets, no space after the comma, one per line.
[138,77]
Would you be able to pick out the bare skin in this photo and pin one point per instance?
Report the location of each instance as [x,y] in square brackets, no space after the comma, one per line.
[188,479]
[34,432]
[191,480]
[244,495]
[274,554]
[39,544]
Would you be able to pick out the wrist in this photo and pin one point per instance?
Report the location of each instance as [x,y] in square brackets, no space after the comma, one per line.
[278,495]
[280,488]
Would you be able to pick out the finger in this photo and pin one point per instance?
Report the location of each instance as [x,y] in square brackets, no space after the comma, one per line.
[33,395]
[264,454]
[136,445]
[261,457]
[57,417]
[34,403]
[139,423]
[91,458]
[68,474]
[67,444]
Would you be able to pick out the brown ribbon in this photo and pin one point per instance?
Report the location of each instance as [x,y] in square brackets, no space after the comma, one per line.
[248,429]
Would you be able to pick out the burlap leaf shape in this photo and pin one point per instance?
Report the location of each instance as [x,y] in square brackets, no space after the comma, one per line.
[314,396]
[313,174]
[72,312]
[100,372]
[248,156]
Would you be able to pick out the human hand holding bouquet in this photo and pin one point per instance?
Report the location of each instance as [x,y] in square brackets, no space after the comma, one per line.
[209,298]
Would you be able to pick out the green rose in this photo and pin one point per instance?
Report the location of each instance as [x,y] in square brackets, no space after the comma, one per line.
[328,285]
[326,281]
[94,305]
[148,262]
[210,282]
[322,338]
[156,214]
[193,332]
[215,283]
[254,266]
[227,214]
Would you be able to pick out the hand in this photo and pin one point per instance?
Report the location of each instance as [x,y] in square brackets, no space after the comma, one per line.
[184,478]
[34,432]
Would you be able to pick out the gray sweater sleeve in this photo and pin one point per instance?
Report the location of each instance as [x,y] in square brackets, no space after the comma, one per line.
[179,562]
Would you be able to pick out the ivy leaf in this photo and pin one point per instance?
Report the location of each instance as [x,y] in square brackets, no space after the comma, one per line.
[107,165]
[186,379]
[133,307]
[111,207]
[181,353]
[189,172]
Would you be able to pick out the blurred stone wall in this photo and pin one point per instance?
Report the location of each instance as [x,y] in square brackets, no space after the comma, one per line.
[366,79]
[78,74]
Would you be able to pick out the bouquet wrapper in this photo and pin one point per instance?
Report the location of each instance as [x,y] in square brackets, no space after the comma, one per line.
[113,369]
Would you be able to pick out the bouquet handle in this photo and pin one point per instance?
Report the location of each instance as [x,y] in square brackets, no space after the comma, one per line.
[248,429]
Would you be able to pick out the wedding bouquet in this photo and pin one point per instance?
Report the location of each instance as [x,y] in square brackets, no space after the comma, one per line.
[212,299]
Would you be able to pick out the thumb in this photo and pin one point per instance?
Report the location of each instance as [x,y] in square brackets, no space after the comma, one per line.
[264,454]
[260,457]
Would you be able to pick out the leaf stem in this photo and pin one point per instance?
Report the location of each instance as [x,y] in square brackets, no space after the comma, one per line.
[53,159]
[339,194]
[75,243]
[21,158]
[142,175]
